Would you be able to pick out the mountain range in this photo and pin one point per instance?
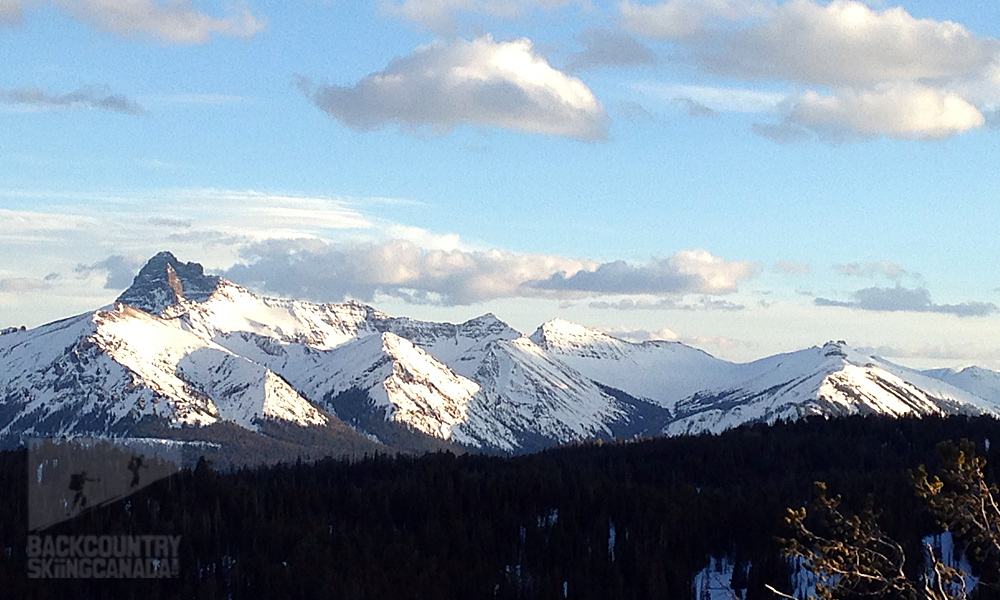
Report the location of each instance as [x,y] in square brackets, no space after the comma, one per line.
[185,357]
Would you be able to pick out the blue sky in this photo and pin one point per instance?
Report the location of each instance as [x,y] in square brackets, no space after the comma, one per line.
[747,176]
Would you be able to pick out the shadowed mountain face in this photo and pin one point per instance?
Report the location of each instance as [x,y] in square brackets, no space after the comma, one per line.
[164,280]
[190,352]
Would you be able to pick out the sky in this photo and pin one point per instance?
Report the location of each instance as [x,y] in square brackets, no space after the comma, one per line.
[745,176]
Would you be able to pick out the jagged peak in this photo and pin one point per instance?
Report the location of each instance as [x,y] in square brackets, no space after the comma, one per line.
[164,281]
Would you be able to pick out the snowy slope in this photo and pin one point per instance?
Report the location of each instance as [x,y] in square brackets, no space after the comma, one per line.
[975,380]
[184,348]
[404,383]
[660,371]
[832,380]
[429,376]
[541,400]
[107,370]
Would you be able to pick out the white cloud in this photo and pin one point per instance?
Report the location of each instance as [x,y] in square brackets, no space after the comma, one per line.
[480,82]
[175,22]
[327,271]
[321,270]
[438,15]
[888,73]
[843,42]
[902,112]
[686,271]
[215,223]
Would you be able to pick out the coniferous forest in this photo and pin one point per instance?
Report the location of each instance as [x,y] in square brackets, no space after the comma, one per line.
[591,521]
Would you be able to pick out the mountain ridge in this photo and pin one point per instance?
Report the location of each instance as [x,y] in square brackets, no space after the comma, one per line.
[187,349]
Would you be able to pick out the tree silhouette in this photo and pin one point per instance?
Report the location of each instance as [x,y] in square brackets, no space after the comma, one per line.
[852,557]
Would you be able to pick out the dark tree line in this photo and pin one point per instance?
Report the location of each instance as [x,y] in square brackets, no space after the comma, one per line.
[468,527]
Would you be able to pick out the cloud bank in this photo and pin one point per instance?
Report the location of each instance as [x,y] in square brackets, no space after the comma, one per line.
[479,82]
[687,271]
[326,271]
[900,299]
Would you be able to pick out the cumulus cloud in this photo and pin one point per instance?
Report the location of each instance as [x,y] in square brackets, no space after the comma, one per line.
[479,82]
[904,111]
[321,270]
[883,268]
[844,42]
[88,97]
[438,15]
[900,299]
[117,270]
[887,73]
[792,267]
[686,271]
[609,48]
[175,22]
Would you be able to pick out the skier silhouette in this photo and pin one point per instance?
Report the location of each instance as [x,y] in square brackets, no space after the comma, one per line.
[134,465]
[76,483]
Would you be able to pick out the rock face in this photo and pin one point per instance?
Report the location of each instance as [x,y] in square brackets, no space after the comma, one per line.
[182,350]
[164,281]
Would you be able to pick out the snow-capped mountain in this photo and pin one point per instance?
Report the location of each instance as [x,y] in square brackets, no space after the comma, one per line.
[978,381]
[832,380]
[181,350]
[662,372]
